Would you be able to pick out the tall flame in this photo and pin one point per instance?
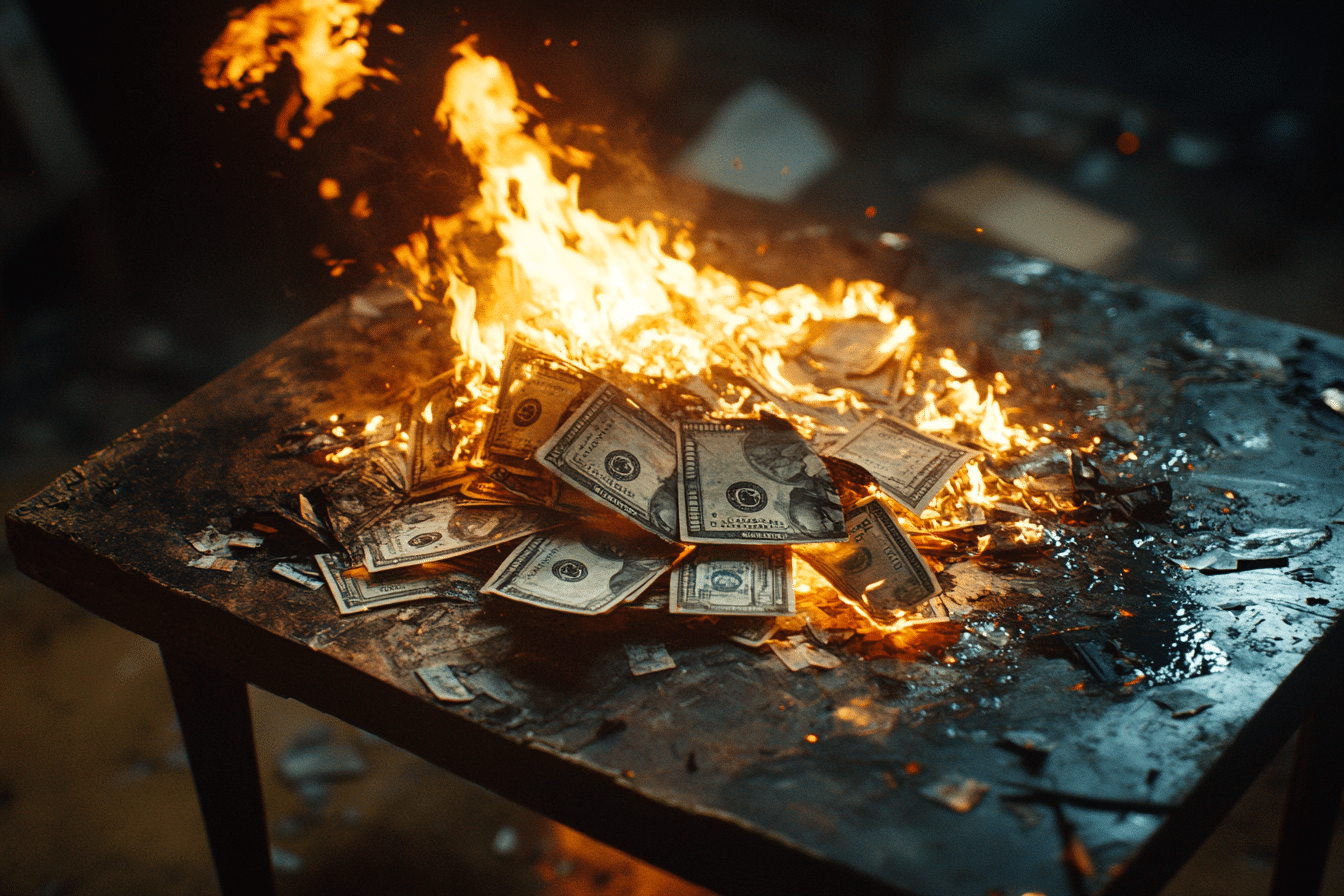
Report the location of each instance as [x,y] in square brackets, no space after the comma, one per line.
[325,39]
[522,257]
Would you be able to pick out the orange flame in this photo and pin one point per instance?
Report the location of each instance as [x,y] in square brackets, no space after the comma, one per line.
[618,296]
[325,39]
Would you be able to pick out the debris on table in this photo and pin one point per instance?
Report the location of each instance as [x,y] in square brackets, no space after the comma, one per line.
[223,564]
[956,792]
[305,574]
[444,684]
[1182,703]
[647,658]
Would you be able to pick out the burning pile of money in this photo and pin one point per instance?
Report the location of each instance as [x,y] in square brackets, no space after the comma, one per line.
[605,502]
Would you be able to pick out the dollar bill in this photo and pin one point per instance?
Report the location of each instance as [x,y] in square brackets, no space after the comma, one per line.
[537,392]
[878,566]
[910,466]
[735,580]
[620,455]
[443,528]
[581,570]
[754,482]
[356,591]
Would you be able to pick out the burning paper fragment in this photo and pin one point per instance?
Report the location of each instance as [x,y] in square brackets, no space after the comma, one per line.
[734,580]
[537,393]
[444,684]
[910,466]
[581,570]
[960,794]
[646,658]
[754,482]
[878,568]
[442,433]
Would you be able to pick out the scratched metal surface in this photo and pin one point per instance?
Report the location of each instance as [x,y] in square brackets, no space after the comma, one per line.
[724,735]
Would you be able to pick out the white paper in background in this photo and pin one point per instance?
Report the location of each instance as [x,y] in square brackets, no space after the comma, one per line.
[761,143]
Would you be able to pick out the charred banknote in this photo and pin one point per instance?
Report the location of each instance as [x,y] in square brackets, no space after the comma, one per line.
[910,466]
[581,570]
[356,590]
[878,567]
[537,393]
[735,580]
[622,456]
[857,347]
[443,528]
[508,486]
[754,482]
[357,498]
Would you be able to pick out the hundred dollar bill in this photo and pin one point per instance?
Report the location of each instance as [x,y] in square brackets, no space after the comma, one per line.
[443,528]
[878,566]
[581,570]
[735,580]
[910,466]
[621,455]
[537,393]
[356,591]
[754,482]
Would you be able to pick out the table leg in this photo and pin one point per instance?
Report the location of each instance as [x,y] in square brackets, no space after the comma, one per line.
[1314,791]
[216,721]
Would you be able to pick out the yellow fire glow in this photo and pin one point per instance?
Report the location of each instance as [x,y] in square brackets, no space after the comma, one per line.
[325,39]
[617,296]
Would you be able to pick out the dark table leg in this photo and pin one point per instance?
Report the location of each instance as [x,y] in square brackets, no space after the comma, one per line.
[1314,792]
[216,721]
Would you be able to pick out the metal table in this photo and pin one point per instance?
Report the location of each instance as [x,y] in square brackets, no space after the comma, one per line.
[729,770]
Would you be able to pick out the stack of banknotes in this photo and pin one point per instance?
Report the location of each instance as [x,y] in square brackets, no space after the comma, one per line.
[583,500]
